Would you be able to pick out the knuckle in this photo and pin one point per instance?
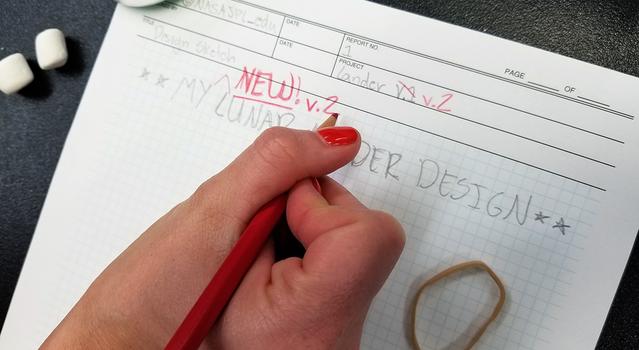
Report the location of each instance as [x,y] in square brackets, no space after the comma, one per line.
[390,228]
[207,203]
[205,193]
[276,147]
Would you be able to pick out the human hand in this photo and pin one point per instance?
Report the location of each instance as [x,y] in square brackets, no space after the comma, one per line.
[317,302]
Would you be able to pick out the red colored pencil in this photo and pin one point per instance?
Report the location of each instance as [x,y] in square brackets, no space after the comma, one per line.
[218,292]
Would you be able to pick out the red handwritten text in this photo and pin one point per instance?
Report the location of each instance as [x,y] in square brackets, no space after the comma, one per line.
[409,93]
[265,88]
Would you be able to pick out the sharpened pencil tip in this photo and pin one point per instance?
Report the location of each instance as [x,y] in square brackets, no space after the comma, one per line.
[330,121]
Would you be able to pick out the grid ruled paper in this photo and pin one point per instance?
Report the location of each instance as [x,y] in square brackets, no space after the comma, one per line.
[483,149]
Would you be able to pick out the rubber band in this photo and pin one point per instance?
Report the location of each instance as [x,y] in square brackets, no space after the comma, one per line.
[450,271]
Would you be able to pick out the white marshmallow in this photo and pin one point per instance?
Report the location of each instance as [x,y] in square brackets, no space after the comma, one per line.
[14,73]
[51,49]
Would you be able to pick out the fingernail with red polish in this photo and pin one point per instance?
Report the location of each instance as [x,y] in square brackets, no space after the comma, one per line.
[316,184]
[339,135]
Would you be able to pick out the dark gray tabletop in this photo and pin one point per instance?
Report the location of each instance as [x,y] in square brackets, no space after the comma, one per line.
[34,123]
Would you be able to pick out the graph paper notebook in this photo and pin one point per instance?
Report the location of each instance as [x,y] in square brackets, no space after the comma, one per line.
[483,148]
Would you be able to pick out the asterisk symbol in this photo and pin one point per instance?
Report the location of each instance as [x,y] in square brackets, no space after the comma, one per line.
[145,74]
[541,217]
[561,226]
[161,80]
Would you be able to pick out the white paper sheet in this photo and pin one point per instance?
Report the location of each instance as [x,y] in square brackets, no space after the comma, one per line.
[483,149]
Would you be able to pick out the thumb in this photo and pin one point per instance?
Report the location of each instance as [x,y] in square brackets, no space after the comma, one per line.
[278,159]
